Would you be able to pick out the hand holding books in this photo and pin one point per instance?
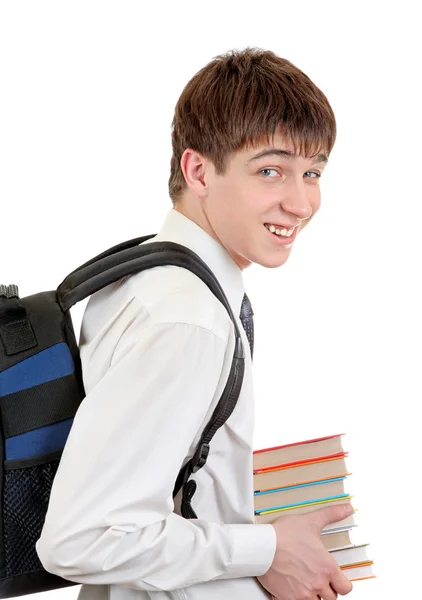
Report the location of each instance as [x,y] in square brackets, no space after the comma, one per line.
[302,568]
[304,478]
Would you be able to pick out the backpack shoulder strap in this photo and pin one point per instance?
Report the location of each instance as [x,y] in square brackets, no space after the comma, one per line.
[129,258]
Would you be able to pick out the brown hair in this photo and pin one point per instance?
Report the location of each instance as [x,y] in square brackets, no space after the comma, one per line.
[241,99]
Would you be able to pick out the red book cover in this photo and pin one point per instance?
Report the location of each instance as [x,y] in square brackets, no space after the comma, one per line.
[302,462]
[327,437]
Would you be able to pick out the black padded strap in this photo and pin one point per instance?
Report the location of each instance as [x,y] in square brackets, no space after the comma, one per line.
[109,267]
[220,415]
[113,250]
[129,258]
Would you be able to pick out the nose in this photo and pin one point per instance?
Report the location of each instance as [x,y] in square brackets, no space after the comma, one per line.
[299,200]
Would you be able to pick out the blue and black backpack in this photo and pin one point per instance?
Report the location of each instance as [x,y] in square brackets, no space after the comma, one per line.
[41,388]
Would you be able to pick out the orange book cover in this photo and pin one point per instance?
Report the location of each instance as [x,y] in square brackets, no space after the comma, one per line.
[321,439]
[296,463]
[364,563]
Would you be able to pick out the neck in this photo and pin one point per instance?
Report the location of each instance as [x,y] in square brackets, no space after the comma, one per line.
[192,208]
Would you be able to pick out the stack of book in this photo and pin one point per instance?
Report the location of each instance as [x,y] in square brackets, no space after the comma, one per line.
[307,476]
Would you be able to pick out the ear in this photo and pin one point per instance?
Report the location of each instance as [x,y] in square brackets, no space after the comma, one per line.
[194,168]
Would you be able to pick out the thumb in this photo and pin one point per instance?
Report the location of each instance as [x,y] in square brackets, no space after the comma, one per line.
[331,514]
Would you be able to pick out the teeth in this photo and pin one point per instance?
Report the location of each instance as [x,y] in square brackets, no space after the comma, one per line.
[283,232]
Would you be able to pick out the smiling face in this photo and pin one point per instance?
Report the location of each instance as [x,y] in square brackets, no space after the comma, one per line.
[262,187]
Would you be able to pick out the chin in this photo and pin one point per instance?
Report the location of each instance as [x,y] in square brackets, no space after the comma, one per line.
[272,262]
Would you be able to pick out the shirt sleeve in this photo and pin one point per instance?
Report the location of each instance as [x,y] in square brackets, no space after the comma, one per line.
[110,517]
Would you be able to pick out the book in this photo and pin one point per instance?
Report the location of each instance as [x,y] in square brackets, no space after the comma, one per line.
[300,472]
[298,451]
[350,555]
[297,493]
[338,539]
[271,514]
[306,476]
[359,571]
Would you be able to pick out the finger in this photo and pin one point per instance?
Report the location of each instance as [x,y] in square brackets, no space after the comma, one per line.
[331,514]
[341,584]
[328,594]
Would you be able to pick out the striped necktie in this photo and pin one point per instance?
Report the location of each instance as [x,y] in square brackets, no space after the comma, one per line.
[246,317]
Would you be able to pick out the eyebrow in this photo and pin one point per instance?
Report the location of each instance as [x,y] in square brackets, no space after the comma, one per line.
[286,154]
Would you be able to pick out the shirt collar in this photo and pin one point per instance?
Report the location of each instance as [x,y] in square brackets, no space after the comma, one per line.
[180,229]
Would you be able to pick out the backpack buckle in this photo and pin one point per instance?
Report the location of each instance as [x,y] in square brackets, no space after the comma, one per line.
[200,457]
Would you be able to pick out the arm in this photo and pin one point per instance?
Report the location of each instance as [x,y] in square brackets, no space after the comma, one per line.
[110,518]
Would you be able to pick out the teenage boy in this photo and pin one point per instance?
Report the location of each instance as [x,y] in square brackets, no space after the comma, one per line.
[251,137]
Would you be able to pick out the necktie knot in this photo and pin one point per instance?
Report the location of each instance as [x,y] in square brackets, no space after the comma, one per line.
[246,318]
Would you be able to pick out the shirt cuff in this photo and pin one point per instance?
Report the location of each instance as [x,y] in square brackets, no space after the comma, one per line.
[254,548]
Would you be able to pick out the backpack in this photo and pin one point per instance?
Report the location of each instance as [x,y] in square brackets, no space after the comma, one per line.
[41,388]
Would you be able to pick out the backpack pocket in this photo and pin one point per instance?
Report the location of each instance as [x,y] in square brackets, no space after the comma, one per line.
[27,487]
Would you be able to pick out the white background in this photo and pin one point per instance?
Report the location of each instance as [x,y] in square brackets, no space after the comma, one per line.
[86,101]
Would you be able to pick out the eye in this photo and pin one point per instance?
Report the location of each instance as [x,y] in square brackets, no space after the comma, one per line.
[262,171]
[266,172]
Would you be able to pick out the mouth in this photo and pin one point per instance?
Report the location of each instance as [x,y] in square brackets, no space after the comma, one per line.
[283,240]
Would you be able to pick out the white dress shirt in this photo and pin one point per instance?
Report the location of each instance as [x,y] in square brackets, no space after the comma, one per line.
[156,350]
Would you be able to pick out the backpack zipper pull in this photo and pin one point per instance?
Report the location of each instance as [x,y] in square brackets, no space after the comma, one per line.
[9,291]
